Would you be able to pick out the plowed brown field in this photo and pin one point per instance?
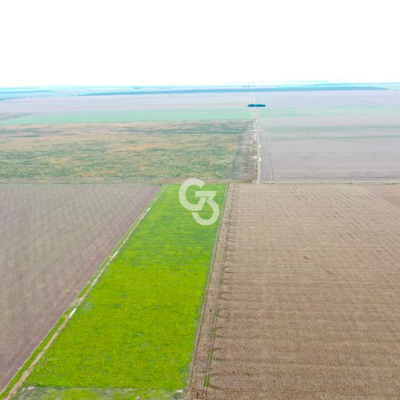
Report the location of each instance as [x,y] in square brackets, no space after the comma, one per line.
[304,296]
[52,240]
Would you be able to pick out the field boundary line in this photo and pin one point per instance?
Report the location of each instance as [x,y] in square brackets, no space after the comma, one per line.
[206,290]
[12,388]
[269,167]
[197,385]
[256,125]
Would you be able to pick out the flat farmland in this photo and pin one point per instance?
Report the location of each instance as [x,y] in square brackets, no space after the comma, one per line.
[330,136]
[134,334]
[30,106]
[140,152]
[53,238]
[138,141]
[304,295]
[164,114]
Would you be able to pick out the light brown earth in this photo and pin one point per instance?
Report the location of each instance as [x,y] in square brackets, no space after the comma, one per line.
[330,136]
[52,240]
[304,295]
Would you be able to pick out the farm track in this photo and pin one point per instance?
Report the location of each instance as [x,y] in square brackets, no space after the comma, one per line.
[304,296]
[265,167]
[54,239]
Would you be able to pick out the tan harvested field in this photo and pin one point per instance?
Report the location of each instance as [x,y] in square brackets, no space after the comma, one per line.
[53,238]
[304,295]
[336,98]
[330,136]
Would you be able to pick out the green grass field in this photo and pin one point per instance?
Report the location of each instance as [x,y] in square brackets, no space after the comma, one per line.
[134,334]
[137,115]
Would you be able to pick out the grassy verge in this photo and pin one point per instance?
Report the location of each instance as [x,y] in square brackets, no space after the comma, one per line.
[32,357]
[135,331]
[49,393]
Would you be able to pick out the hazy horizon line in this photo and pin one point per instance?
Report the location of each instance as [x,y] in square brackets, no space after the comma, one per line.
[262,83]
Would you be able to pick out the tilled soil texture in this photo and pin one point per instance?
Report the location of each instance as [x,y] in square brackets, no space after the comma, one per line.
[52,240]
[304,296]
[326,136]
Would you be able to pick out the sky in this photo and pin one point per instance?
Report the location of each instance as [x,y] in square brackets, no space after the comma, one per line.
[187,42]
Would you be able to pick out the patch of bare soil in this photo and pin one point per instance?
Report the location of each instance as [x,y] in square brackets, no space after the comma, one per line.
[53,238]
[304,298]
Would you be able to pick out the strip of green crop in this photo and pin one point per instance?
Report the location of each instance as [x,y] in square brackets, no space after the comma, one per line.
[137,115]
[136,329]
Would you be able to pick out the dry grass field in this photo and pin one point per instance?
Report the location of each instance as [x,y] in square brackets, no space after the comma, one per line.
[304,297]
[330,136]
[140,151]
[53,238]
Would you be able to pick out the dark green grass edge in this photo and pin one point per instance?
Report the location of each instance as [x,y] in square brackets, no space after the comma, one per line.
[83,293]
